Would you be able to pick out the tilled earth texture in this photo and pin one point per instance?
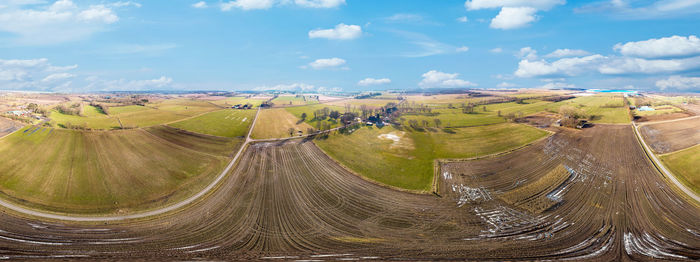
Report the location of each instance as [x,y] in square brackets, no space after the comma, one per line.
[579,195]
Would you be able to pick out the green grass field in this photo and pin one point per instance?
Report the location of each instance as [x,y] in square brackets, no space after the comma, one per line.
[659,110]
[107,172]
[226,123]
[275,123]
[404,159]
[684,165]
[605,109]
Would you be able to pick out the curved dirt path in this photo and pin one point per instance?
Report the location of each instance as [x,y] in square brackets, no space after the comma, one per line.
[176,206]
[660,165]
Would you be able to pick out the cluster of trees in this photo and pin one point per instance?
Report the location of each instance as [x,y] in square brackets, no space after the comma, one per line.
[368,95]
[571,116]
[104,108]
[413,123]
[32,107]
[74,109]
[126,100]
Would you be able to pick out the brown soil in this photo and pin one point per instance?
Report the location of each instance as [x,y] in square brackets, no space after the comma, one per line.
[289,201]
[672,136]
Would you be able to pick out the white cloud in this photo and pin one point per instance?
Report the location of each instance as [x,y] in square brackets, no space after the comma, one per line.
[297,87]
[666,47]
[340,32]
[200,4]
[629,65]
[462,49]
[327,63]
[125,4]
[320,3]
[373,81]
[559,53]
[527,53]
[506,85]
[57,77]
[513,17]
[247,4]
[462,19]
[496,50]
[61,21]
[434,78]
[514,13]
[680,83]
[33,74]
[565,66]
[490,4]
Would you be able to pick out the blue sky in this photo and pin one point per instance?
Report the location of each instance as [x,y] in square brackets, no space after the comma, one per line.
[317,45]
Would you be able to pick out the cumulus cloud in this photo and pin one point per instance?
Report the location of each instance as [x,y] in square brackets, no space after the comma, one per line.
[434,78]
[325,63]
[247,4]
[514,13]
[680,83]
[562,67]
[628,65]
[527,53]
[200,4]
[559,53]
[58,22]
[33,74]
[340,32]
[666,47]
[373,81]
[513,17]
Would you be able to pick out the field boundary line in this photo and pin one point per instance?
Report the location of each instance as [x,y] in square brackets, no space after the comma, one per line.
[679,150]
[660,167]
[667,121]
[173,207]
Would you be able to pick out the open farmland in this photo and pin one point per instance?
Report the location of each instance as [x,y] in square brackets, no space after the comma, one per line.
[237,100]
[105,172]
[225,123]
[672,136]
[405,159]
[684,165]
[290,201]
[603,109]
[275,123]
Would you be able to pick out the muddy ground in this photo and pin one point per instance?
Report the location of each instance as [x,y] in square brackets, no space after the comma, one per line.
[672,136]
